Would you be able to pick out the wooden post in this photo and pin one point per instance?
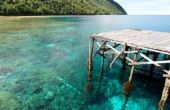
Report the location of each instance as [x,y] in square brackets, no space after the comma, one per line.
[164,93]
[90,54]
[124,55]
[90,62]
[92,49]
[89,86]
[128,85]
[131,73]
[101,74]
[147,52]
[113,51]
[130,48]
[155,56]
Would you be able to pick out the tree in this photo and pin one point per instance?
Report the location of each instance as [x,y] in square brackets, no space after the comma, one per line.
[32,7]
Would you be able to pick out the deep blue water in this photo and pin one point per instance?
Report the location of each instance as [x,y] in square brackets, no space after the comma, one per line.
[43,65]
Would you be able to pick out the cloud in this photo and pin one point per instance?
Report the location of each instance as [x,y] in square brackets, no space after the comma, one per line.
[117,0]
[149,3]
[157,13]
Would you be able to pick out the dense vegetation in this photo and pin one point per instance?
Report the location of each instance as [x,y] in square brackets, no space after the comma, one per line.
[59,7]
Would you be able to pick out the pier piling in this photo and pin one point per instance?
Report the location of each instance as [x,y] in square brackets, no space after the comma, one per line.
[101,74]
[155,56]
[131,73]
[124,55]
[165,93]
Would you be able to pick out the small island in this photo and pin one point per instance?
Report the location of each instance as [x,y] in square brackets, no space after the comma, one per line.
[60,7]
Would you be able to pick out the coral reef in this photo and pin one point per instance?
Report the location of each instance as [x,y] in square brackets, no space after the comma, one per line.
[8,101]
[36,76]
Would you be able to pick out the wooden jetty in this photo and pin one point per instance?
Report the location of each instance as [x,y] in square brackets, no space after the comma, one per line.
[152,41]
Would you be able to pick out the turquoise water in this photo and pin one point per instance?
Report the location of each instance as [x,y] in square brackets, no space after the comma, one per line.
[43,65]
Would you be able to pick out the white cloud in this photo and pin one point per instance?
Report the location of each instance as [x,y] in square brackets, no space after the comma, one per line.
[157,13]
[149,3]
[168,7]
[117,0]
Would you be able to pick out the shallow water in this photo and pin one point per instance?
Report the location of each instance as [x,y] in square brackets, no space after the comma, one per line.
[43,64]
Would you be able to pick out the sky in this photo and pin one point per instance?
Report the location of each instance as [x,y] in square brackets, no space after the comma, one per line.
[145,7]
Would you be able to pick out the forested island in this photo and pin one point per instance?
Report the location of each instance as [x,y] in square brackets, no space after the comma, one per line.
[60,7]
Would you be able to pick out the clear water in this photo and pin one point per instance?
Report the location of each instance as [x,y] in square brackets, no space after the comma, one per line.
[43,65]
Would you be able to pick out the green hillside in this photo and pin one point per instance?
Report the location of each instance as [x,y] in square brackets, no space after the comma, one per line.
[59,7]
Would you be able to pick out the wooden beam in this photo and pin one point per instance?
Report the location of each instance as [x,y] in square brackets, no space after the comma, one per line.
[97,42]
[143,63]
[130,52]
[113,49]
[154,63]
[116,45]
[99,49]
[101,54]
[120,58]
[117,56]
[108,52]
[129,59]
[147,54]
[166,75]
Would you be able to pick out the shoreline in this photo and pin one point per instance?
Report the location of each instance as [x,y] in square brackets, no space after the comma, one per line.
[34,16]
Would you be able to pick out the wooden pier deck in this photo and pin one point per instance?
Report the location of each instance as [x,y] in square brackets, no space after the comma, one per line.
[152,41]
[149,40]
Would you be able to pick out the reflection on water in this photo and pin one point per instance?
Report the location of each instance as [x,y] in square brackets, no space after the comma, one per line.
[43,65]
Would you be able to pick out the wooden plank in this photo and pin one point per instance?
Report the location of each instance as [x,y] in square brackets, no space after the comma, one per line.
[117,56]
[99,49]
[142,63]
[113,49]
[166,75]
[120,58]
[97,42]
[147,54]
[129,59]
[154,63]
[108,52]
[130,52]
[101,54]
